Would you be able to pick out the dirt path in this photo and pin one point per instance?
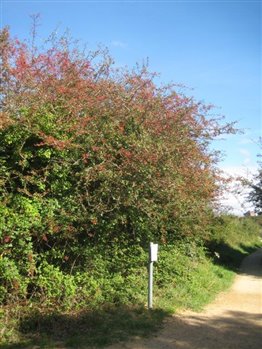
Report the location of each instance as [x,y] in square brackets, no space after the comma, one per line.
[233,321]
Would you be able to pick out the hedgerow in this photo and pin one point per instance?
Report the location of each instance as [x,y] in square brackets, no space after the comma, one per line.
[95,163]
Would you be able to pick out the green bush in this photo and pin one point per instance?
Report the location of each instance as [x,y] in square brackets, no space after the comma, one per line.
[13,284]
[54,287]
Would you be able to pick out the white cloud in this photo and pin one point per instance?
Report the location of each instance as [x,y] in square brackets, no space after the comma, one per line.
[246,155]
[117,43]
[245,141]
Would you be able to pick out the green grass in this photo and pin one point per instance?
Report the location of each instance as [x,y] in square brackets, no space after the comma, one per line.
[84,329]
[196,289]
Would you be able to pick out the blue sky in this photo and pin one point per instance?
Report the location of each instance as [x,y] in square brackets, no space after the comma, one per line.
[213,47]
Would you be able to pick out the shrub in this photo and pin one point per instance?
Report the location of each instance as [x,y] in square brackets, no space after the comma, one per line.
[92,157]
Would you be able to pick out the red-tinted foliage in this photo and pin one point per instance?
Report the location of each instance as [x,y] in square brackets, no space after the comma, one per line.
[133,146]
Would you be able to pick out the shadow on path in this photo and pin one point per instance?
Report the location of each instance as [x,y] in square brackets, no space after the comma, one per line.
[234,330]
[252,265]
[231,258]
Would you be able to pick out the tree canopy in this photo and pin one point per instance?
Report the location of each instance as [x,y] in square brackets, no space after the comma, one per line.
[255,195]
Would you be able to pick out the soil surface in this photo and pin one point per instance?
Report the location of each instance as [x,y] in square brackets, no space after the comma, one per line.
[232,321]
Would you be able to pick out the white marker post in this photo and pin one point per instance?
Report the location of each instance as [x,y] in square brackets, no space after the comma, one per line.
[153,250]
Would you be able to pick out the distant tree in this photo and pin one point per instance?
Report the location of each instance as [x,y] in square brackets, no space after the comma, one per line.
[256,193]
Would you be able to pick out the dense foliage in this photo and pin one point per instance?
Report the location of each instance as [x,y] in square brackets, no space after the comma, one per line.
[256,193]
[95,162]
[256,186]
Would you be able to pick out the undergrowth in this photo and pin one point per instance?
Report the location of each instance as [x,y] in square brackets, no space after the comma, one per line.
[187,275]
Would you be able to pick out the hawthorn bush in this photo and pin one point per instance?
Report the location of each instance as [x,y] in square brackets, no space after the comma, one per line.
[95,162]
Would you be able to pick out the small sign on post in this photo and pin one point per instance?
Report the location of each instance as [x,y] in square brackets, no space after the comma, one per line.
[153,251]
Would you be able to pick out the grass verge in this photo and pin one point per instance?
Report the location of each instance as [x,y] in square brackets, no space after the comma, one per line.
[83,329]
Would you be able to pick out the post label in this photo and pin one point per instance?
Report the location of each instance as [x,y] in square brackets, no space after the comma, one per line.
[153,252]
